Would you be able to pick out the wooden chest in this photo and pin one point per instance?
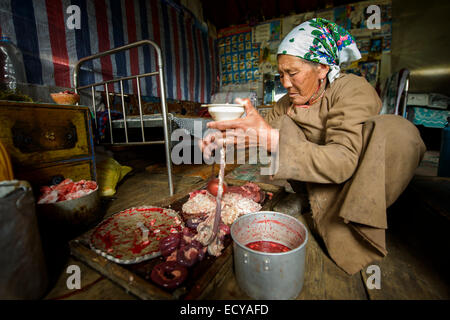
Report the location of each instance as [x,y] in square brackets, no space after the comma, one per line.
[47,140]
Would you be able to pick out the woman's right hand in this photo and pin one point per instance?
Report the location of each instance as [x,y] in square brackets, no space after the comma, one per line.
[252,130]
[252,120]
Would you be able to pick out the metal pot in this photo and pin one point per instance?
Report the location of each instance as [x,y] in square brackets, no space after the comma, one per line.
[273,276]
[72,214]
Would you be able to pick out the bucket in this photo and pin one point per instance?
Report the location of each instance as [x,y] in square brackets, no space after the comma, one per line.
[23,270]
[263,275]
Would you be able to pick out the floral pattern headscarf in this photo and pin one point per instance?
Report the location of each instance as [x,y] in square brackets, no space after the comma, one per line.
[320,40]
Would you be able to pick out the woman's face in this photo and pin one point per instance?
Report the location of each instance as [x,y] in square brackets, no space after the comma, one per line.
[300,78]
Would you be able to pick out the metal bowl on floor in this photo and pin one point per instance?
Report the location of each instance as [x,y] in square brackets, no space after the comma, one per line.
[72,214]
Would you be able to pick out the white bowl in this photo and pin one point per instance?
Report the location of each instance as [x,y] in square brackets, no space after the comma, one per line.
[220,112]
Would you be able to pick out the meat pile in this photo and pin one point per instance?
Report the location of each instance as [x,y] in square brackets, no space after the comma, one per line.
[66,190]
[199,211]
[200,203]
[237,201]
[183,250]
[249,190]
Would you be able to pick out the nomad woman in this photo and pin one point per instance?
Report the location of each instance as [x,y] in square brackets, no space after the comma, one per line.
[327,133]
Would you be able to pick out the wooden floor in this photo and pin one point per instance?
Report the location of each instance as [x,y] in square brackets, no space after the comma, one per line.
[415,268]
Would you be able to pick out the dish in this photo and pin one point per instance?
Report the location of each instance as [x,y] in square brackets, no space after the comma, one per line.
[132,235]
[220,112]
[67,97]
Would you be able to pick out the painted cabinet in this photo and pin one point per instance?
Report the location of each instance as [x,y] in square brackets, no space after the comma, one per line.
[45,141]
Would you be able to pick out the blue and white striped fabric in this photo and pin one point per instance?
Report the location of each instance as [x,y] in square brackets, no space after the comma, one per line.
[51,49]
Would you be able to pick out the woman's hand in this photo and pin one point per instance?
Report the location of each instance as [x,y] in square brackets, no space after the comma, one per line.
[252,130]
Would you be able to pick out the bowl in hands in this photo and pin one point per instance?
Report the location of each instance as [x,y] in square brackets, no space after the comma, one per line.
[220,112]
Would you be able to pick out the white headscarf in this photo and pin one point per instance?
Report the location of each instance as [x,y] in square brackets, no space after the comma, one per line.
[320,40]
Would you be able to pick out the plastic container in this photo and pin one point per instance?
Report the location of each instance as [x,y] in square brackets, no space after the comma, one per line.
[263,275]
[12,69]
[444,157]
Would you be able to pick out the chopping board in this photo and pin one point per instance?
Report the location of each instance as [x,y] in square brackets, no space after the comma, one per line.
[203,278]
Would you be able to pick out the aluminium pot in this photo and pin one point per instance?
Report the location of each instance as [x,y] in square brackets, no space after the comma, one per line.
[71,215]
[263,275]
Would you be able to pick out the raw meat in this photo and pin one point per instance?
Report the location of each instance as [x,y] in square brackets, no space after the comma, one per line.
[169,274]
[200,202]
[216,246]
[204,230]
[249,190]
[66,190]
[235,203]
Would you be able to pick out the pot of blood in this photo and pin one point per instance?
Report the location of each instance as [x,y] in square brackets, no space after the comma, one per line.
[269,255]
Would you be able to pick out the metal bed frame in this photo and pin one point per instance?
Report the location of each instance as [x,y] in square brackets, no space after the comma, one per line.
[402,97]
[164,119]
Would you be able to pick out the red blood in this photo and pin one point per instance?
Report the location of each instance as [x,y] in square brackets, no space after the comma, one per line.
[73,188]
[160,210]
[138,247]
[108,239]
[267,246]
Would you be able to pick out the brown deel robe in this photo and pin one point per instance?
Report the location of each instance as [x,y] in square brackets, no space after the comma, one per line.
[355,163]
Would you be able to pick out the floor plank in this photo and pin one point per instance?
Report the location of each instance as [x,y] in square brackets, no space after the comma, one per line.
[324,279]
[434,192]
[417,265]
[143,188]
[93,286]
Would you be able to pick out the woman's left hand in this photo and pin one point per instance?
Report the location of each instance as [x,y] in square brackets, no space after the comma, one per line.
[252,129]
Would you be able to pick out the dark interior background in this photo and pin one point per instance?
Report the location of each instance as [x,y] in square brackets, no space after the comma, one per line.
[420,37]
[233,12]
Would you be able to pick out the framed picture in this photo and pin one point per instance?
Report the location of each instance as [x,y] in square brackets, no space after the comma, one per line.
[376,47]
[237,53]
[363,45]
[370,71]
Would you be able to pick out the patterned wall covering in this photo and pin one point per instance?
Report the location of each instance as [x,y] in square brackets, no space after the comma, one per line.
[51,49]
